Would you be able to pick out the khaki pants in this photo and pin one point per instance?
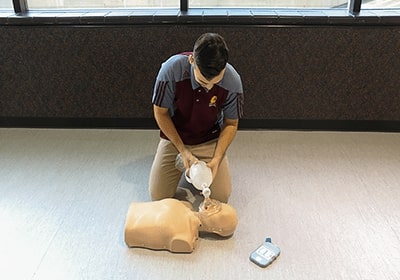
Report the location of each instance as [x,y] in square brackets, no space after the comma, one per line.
[164,177]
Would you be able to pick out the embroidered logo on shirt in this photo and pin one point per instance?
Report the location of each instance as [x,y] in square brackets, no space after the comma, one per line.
[213,101]
[186,74]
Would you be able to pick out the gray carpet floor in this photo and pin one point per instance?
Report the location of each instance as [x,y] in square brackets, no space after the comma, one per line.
[329,200]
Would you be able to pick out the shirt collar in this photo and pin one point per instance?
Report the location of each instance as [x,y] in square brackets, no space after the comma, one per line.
[195,84]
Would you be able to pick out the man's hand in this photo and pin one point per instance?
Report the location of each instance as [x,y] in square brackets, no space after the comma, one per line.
[188,158]
[213,165]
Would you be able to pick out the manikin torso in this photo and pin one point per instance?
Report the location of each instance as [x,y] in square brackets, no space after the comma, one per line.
[172,225]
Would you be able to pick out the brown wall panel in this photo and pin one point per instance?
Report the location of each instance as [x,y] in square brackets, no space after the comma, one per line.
[302,72]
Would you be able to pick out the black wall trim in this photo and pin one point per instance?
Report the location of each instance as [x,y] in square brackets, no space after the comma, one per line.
[245,124]
[354,6]
[20,6]
[322,125]
[27,122]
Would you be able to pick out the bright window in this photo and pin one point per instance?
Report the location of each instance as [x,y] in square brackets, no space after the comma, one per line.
[269,3]
[278,4]
[380,4]
[84,4]
[6,4]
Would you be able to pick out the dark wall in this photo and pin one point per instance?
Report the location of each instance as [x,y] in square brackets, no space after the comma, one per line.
[289,73]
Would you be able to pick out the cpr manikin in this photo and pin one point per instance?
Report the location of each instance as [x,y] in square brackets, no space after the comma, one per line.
[173,225]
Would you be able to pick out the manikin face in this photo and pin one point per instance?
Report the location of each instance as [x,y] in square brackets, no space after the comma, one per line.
[219,218]
[207,84]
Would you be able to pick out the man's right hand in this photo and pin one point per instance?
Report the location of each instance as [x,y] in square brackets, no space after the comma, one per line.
[188,158]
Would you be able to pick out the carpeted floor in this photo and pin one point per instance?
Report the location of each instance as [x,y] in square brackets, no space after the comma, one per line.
[329,200]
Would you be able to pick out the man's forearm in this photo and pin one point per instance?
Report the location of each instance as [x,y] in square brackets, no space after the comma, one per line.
[166,125]
[226,137]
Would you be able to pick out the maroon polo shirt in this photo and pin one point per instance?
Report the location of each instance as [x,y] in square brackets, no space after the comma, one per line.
[196,113]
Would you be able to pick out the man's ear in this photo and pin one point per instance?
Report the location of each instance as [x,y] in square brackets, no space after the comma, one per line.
[191,59]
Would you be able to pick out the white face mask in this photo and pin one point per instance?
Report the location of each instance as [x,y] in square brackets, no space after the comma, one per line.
[200,175]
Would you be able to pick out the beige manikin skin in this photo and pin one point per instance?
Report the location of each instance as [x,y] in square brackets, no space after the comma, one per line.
[172,225]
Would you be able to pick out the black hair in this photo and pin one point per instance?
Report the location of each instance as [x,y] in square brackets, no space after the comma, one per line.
[210,54]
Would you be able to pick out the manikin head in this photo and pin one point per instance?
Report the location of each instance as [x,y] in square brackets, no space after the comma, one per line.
[219,218]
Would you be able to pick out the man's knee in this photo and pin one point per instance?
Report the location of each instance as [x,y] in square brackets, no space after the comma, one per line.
[221,194]
[157,193]
[163,186]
